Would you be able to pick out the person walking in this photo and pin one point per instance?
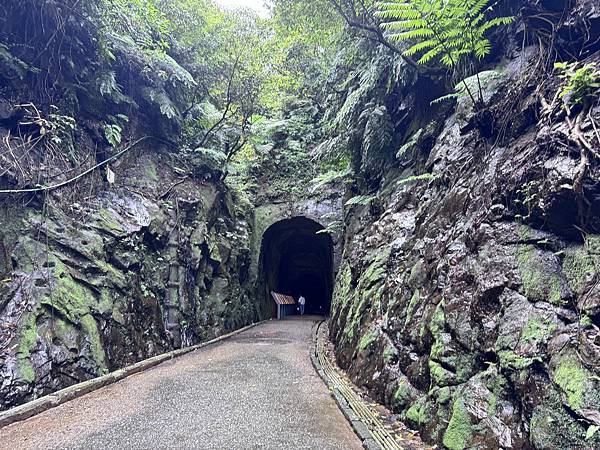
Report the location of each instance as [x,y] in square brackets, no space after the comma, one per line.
[301,303]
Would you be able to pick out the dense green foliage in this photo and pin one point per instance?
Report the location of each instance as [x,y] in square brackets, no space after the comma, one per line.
[305,43]
[446,29]
[210,77]
[581,82]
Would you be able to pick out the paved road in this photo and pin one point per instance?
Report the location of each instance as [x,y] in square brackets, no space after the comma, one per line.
[256,390]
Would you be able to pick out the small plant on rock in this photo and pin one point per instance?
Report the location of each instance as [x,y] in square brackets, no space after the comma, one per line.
[581,82]
[113,134]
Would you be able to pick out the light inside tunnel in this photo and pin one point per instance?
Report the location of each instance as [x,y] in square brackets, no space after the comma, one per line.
[295,260]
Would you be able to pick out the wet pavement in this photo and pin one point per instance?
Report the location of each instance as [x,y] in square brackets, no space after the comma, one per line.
[257,390]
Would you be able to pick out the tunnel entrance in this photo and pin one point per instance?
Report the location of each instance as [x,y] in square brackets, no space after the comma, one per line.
[295,260]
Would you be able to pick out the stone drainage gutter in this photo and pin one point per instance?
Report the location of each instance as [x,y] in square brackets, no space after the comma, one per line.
[47,402]
[366,423]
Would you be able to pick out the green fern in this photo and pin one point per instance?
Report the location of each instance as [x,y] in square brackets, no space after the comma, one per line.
[333,228]
[209,115]
[412,142]
[360,200]
[161,99]
[106,83]
[357,97]
[330,177]
[11,66]
[167,68]
[113,134]
[444,30]
[581,82]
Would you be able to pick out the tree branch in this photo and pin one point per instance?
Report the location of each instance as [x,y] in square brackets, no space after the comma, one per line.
[81,175]
[228,103]
[354,20]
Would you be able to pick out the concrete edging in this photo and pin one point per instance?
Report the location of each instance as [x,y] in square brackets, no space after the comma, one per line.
[34,407]
[361,430]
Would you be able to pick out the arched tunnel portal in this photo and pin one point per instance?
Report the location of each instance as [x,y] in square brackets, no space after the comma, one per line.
[296,260]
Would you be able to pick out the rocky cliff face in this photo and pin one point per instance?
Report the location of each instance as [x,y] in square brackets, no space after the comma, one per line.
[154,248]
[146,251]
[468,296]
[155,263]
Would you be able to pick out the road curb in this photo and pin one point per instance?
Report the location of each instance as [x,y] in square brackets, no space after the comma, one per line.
[30,409]
[359,427]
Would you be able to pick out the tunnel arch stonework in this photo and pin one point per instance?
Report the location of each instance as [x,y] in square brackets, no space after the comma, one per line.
[287,252]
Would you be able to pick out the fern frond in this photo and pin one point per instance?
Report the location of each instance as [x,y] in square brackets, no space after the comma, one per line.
[162,100]
[384,7]
[362,200]
[446,59]
[495,23]
[389,5]
[456,43]
[334,227]
[408,14]
[444,98]
[419,47]
[404,24]
[448,30]
[412,34]
[451,34]
[330,177]
[107,84]
[483,48]
[472,82]
[433,53]
[410,144]
[478,6]
[477,20]
[398,13]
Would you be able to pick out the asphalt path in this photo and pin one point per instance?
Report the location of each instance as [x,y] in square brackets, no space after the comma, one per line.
[257,390]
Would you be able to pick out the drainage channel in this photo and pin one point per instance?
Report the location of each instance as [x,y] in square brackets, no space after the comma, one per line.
[377,430]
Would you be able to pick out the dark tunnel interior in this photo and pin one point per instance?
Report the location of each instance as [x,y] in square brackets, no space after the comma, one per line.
[295,260]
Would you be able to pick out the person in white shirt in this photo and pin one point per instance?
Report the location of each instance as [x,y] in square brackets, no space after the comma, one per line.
[301,302]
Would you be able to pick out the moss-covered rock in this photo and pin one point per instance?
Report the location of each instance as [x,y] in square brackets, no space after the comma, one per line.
[540,274]
[367,339]
[389,354]
[98,291]
[581,265]
[459,432]
[27,343]
[69,297]
[551,427]
[404,395]
[418,414]
[579,386]
[89,327]
[208,160]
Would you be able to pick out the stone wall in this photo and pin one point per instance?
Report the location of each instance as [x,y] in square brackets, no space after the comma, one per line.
[467,298]
[151,264]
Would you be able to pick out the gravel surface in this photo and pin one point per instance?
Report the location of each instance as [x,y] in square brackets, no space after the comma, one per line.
[256,390]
